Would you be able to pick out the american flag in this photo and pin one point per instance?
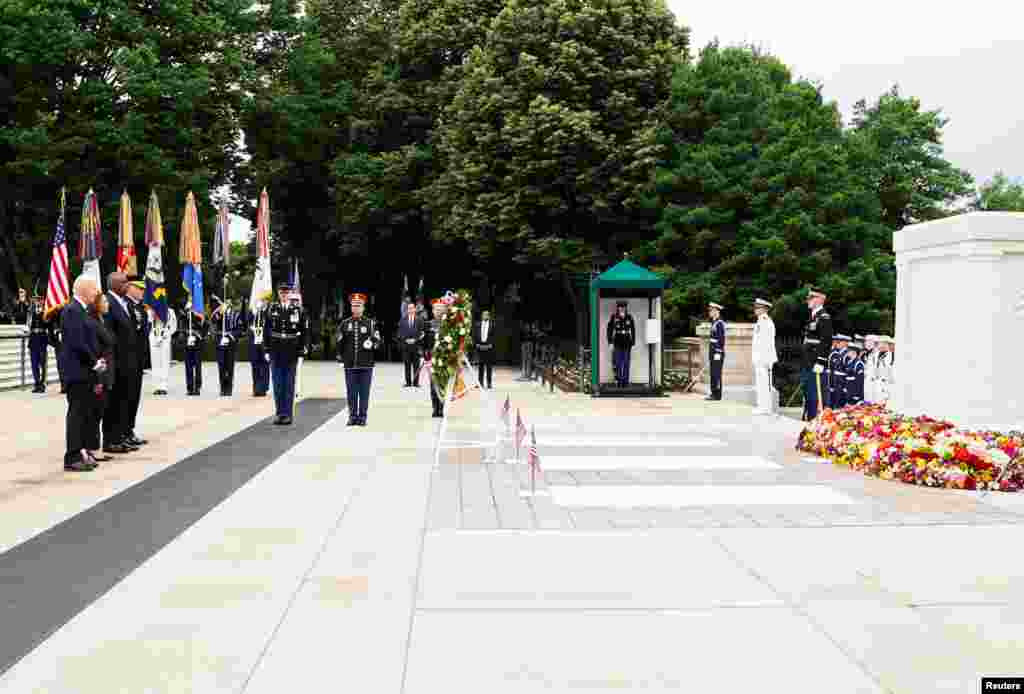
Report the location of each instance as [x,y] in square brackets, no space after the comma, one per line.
[533,459]
[57,294]
[520,430]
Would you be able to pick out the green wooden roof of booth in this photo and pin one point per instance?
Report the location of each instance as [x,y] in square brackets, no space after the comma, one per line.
[628,275]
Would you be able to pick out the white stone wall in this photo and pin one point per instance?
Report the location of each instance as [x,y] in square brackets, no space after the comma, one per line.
[959,334]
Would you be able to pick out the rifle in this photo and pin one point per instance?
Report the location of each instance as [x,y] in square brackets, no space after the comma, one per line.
[692,383]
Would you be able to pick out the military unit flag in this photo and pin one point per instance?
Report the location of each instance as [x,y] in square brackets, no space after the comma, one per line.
[156,291]
[126,260]
[262,286]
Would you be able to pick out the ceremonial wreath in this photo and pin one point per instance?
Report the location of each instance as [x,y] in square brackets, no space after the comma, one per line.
[917,450]
[454,339]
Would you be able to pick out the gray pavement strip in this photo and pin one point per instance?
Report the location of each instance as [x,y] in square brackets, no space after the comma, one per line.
[47,580]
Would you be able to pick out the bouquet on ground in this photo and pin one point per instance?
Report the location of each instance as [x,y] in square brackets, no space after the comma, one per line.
[454,339]
[916,450]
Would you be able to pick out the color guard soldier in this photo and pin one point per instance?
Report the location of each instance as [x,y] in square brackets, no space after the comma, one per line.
[360,338]
[621,334]
[192,328]
[817,339]
[38,339]
[259,359]
[716,351]
[226,323]
[286,343]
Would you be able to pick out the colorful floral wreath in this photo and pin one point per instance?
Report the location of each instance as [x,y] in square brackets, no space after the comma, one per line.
[920,450]
[454,339]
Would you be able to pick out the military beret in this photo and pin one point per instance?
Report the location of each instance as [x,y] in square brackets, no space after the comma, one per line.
[714,305]
[437,302]
[357,298]
[762,302]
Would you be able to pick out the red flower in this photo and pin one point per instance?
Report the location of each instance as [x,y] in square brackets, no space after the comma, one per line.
[969,483]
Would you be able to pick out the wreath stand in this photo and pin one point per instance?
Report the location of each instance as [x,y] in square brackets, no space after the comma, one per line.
[490,454]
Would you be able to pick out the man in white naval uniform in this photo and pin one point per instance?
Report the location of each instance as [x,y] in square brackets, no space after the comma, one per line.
[870,368]
[160,349]
[764,356]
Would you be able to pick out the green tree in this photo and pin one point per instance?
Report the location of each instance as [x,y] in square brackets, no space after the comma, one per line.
[127,94]
[542,128]
[757,196]
[898,149]
[1000,194]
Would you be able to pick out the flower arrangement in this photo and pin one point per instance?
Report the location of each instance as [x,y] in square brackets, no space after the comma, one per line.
[916,450]
[454,339]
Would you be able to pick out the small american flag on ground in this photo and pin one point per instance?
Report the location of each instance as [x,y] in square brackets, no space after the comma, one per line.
[57,294]
[533,460]
[506,413]
[520,429]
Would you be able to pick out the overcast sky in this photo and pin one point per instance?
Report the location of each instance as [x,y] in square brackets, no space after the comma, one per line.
[966,59]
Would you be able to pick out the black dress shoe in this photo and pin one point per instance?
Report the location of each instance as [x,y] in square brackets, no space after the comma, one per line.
[286,420]
[116,448]
[79,466]
[279,419]
[134,440]
[352,421]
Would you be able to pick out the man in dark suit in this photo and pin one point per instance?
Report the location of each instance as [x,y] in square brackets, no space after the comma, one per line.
[134,293]
[410,335]
[127,366]
[483,338]
[80,357]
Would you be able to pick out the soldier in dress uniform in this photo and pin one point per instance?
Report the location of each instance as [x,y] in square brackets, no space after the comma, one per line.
[853,394]
[286,342]
[837,373]
[716,351]
[38,339]
[259,358]
[430,337]
[56,339]
[817,339]
[360,338]
[763,356]
[226,323]
[886,369]
[22,307]
[192,327]
[621,334]
[134,292]
[870,357]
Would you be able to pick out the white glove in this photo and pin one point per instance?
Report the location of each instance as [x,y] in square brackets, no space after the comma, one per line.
[818,368]
[718,357]
[101,365]
[266,357]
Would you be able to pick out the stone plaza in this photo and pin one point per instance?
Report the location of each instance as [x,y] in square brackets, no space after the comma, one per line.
[677,545]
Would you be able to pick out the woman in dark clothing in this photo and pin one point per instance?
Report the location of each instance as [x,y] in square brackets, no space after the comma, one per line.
[104,381]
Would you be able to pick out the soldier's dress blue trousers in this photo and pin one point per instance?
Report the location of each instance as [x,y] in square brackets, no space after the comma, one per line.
[810,382]
[193,370]
[260,369]
[357,387]
[37,348]
[282,369]
[620,361]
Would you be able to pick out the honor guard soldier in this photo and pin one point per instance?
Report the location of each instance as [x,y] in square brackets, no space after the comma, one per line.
[854,391]
[837,372]
[285,342]
[360,338]
[817,339]
[38,339]
[259,358]
[716,351]
[430,337]
[134,292]
[56,338]
[621,334]
[870,358]
[226,323]
[763,356]
[828,377]
[192,328]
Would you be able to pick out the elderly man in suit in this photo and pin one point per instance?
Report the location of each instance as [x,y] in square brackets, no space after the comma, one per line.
[483,338]
[121,322]
[80,356]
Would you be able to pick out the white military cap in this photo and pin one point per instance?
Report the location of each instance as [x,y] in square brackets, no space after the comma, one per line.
[762,302]
[841,337]
[714,305]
